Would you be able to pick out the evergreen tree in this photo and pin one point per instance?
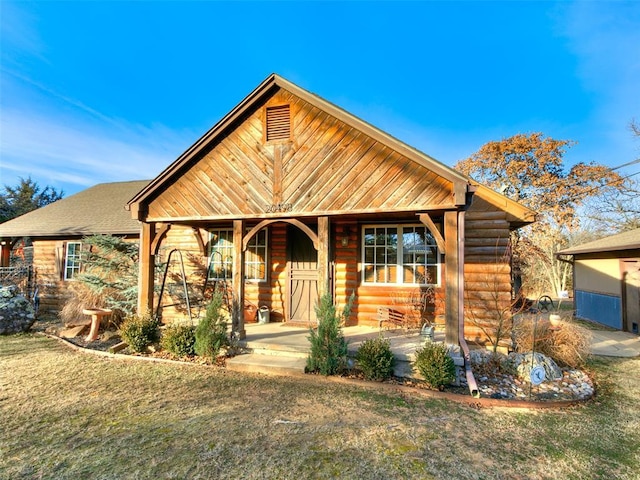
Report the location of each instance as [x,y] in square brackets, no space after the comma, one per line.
[111,271]
[25,197]
[328,354]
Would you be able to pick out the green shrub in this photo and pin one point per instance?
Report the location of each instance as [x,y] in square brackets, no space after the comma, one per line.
[140,331]
[376,359]
[179,340]
[211,332]
[435,365]
[328,354]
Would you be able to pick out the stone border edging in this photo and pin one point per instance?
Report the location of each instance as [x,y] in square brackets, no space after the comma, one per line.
[474,402]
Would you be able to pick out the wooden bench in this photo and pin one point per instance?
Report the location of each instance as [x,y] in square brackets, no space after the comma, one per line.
[389,315]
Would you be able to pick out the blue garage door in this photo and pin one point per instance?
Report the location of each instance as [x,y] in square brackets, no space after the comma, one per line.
[605,309]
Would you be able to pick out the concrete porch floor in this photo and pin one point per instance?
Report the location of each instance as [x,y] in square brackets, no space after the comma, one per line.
[280,336]
[278,348]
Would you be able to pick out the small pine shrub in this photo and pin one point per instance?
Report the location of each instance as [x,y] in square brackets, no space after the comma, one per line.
[211,333]
[328,355]
[376,359]
[179,340]
[140,331]
[435,365]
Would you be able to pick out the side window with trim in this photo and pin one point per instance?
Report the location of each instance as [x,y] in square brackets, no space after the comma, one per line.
[72,259]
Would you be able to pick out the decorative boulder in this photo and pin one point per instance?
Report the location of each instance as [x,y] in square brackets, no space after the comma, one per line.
[16,313]
[525,362]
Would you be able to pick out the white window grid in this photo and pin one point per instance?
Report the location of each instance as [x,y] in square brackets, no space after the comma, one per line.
[72,260]
[221,255]
[399,254]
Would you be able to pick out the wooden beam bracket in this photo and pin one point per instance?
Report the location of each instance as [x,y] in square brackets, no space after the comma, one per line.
[426,219]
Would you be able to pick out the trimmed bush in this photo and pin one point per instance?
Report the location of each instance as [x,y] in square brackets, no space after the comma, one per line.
[140,331]
[179,340]
[435,365]
[211,333]
[328,355]
[376,359]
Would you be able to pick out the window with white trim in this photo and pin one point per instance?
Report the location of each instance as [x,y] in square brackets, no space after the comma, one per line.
[255,258]
[221,255]
[72,259]
[399,254]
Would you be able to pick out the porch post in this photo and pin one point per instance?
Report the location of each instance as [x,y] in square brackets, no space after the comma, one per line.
[147,268]
[323,254]
[237,310]
[452,278]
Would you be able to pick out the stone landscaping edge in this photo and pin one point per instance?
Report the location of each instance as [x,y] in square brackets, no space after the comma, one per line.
[482,402]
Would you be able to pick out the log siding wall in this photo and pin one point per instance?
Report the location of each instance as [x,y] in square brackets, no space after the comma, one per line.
[487,273]
[52,290]
[487,269]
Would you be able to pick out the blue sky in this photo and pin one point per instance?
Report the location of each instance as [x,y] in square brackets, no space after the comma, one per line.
[95,92]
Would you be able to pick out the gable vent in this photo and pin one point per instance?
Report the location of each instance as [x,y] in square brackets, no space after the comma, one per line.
[278,123]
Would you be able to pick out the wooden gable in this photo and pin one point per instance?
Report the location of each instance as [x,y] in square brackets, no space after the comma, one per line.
[325,166]
[319,161]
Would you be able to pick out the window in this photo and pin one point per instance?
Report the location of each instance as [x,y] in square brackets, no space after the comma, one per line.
[221,255]
[255,264]
[278,123]
[400,254]
[72,260]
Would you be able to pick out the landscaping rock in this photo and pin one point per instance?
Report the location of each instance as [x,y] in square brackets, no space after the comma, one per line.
[16,313]
[525,362]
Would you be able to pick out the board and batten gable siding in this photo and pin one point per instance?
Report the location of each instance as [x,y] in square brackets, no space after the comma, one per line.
[327,167]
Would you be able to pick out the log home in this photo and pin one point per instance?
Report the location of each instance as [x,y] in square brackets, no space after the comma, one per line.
[289,196]
[55,234]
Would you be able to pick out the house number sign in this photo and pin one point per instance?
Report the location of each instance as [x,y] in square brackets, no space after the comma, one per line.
[537,375]
[279,207]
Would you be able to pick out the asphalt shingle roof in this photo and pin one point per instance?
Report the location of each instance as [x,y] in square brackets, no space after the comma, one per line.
[623,241]
[97,210]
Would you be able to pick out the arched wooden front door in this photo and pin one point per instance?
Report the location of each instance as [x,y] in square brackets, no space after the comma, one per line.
[302,259]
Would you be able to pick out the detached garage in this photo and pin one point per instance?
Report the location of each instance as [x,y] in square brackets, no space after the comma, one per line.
[606,280]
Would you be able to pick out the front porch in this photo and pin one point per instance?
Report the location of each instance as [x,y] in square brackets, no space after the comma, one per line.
[277,348]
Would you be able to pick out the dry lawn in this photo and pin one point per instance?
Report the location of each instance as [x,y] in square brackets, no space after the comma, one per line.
[68,415]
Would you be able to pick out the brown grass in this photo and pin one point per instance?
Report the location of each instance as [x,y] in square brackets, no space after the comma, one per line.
[69,415]
[81,298]
[568,345]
